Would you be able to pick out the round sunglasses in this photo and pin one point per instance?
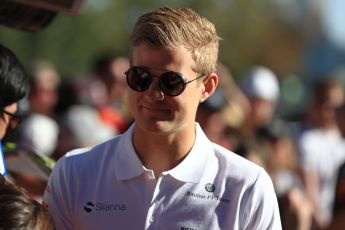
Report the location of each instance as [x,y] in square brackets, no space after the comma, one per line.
[170,83]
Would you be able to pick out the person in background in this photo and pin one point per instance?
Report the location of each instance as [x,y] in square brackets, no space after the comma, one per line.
[261,87]
[17,210]
[320,151]
[14,86]
[43,95]
[223,112]
[338,220]
[238,105]
[295,208]
[39,130]
[108,71]
[210,117]
[163,172]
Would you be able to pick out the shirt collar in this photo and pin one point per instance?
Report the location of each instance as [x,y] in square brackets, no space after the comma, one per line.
[128,165]
[192,168]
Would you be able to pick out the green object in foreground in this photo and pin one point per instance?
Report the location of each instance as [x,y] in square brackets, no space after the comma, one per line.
[21,159]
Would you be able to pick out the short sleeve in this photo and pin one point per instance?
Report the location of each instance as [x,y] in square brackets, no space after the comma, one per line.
[261,210]
[56,197]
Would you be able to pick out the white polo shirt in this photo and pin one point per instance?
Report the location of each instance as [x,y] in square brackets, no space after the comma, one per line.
[108,187]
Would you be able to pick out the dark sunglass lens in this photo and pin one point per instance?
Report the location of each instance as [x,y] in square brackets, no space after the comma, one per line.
[172,84]
[138,79]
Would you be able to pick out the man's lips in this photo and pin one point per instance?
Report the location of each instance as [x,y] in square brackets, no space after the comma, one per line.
[155,109]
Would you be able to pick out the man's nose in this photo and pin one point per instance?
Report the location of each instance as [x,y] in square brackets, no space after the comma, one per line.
[154,90]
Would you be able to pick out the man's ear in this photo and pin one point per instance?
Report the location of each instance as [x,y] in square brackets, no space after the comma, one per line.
[210,84]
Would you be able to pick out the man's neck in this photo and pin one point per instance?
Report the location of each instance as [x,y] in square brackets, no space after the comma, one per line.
[162,152]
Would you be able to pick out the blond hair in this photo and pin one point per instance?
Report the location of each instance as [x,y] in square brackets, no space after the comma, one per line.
[170,27]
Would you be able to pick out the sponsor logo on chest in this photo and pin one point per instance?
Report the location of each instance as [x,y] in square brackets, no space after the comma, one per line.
[104,207]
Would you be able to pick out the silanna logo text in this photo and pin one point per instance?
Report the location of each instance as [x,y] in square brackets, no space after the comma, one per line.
[90,206]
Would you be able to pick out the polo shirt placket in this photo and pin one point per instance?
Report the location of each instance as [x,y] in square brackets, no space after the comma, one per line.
[155,208]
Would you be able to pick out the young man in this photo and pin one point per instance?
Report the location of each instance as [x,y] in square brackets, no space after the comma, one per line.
[163,173]
[14,85]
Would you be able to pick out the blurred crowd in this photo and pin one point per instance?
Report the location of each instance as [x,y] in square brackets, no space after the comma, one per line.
[305,158]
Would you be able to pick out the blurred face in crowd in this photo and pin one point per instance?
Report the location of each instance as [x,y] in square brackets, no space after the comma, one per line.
[43,95]
[118,87]
[261,110]
[326,99]
[7,121]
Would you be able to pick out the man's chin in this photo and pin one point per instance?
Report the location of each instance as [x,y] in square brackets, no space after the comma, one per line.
[159,127]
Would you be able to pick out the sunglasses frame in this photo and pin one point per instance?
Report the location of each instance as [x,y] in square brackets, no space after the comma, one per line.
[15,119]
[144,69]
